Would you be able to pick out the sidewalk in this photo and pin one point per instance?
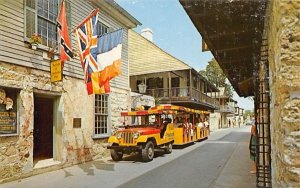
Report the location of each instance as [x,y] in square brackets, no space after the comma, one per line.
[236,173]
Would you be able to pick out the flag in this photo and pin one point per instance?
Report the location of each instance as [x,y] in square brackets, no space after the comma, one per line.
[109,55]
[87,41]
[97,89]
[93,87]
[63,35]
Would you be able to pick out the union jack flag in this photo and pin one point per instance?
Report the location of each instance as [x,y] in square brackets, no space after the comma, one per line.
[87,44]
[87,40]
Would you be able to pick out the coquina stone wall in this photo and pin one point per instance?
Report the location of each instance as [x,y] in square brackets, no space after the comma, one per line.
[284,59]
[71,145]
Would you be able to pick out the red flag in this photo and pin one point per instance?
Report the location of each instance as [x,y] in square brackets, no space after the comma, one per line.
[62,28]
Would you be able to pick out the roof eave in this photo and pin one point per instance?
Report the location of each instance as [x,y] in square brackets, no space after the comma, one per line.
[117,12]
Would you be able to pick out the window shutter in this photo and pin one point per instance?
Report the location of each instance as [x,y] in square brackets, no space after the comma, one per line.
[30,17]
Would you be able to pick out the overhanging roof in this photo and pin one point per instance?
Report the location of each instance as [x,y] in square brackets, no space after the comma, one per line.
[116,11]
[233,30]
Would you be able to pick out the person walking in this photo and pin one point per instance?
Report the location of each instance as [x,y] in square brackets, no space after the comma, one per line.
[252,148]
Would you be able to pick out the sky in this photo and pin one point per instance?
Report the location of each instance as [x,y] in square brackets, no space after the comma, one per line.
[173,32]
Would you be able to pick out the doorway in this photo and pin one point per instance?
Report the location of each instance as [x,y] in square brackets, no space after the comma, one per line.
[43,129]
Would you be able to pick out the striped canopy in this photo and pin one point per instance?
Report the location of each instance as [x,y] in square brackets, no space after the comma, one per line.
[148,112]
[163,109]
[178,108]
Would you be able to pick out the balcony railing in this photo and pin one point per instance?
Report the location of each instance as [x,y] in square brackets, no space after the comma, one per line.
[226,108]
[183,94]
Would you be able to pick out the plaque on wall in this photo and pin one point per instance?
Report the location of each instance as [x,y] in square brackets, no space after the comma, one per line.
[8,112]
[77,123]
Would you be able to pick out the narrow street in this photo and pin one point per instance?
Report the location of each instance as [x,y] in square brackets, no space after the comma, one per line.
[221,161]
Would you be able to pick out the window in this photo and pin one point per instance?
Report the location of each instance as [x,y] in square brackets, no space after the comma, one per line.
[101,29]
[101,115]
[195,82]
[175,82]
[153,83]
[41,18]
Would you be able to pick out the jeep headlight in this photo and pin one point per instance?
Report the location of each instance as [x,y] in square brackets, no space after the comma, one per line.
[135,135]
[119,135]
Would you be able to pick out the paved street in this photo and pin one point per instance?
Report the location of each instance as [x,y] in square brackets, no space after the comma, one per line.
[221,161]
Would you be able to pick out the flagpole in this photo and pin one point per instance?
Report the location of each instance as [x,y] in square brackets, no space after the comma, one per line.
[93,13]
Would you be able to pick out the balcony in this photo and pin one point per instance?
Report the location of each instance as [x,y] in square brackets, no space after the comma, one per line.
[184,96]
[226,109]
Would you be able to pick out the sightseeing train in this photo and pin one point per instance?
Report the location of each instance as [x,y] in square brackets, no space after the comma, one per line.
[159,127]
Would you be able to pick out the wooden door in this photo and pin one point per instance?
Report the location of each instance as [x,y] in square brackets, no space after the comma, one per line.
[43,128]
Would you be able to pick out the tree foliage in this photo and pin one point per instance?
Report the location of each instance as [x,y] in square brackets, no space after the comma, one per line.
[248,113]
[214,74]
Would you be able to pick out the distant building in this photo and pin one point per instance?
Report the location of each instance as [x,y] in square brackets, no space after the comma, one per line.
[221,117]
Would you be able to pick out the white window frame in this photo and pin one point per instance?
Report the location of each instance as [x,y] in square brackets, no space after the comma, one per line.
[26,38]
[106,134]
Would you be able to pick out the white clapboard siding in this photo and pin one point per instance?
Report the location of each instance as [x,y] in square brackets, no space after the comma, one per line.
[14,50]
[152,59]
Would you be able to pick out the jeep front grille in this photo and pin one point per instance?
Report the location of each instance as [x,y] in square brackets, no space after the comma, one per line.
[127,138]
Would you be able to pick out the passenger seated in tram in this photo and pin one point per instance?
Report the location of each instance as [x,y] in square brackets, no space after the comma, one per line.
[178,122]
[200,125]
[190,127]
[163,127]
[206,125]
[186,125]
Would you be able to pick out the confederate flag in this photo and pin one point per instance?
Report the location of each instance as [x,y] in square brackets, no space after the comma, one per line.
[62,28]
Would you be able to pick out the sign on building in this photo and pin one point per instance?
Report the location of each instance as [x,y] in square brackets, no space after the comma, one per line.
[8,112]
[56,70]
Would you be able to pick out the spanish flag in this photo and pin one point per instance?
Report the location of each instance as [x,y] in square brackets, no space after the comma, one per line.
[93,85]
[62,29]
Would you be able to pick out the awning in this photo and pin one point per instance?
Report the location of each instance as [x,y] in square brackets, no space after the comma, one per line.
[232,30]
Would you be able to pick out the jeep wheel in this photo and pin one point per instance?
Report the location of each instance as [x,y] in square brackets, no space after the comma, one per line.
[168,149]
[148,152]
[116,155]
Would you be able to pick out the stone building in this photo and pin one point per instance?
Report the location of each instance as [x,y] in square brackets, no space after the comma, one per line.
[259,52]
[58,123]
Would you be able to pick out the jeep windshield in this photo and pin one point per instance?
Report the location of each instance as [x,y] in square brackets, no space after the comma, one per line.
[145,118]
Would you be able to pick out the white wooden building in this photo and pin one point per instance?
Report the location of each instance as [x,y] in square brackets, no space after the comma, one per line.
[57,122]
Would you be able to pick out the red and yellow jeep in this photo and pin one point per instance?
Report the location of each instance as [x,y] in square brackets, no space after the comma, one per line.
[151,129]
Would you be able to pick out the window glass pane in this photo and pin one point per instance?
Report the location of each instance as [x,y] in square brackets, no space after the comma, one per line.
[30,3]
[40,7]
[101,114]
[47,15]
[101,28]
